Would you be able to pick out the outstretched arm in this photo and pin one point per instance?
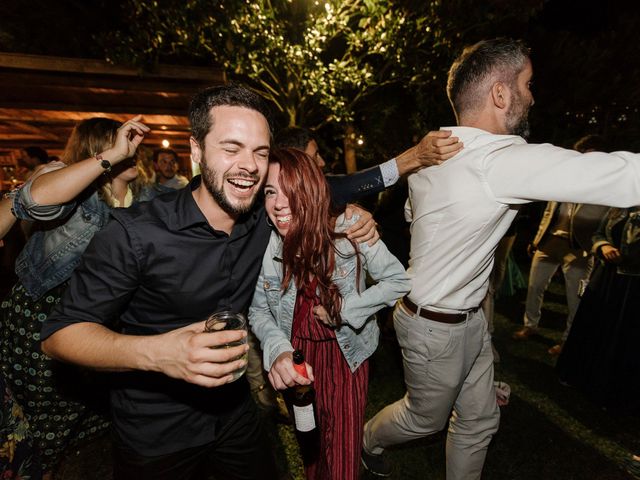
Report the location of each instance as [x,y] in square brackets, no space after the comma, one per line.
[433,149]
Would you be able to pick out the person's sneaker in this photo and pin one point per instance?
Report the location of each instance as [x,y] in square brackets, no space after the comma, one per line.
[524,333]
[376,464]
[555,350]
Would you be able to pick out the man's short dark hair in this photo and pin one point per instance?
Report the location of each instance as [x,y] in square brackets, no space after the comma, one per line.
[37,152]
[481,65]
[293,137]
[231,95]
[156,154]
[591,143]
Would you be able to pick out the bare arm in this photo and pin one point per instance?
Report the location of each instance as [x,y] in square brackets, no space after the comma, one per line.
[186,353]
[434,148]
[6,217]
[62,186]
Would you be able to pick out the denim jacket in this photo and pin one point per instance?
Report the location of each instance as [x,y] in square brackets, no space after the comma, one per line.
[271,312]
[62,235]
[630,243]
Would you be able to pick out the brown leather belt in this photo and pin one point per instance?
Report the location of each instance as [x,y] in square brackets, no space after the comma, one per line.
[435,316]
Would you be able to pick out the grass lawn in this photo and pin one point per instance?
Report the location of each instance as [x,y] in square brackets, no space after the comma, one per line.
[547,431]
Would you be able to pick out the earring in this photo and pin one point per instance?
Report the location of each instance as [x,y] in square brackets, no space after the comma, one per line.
[269,221]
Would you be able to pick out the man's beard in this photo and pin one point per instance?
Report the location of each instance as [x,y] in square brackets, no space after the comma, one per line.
[518,118]
[210,181]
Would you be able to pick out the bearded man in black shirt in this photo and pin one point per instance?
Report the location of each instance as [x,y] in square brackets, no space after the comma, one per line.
[148,280]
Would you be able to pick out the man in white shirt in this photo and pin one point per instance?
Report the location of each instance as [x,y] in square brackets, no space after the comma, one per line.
[460,210]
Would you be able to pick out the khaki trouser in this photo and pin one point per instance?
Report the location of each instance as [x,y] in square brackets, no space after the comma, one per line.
[553,253]
[447,368]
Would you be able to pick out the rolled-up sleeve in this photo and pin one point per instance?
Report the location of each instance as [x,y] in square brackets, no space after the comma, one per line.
[102,285]
[25,208]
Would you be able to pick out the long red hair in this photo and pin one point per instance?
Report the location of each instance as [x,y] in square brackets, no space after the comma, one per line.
[309,247]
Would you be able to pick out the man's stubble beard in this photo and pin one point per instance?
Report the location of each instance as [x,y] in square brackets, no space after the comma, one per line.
[210,180]
[518,118]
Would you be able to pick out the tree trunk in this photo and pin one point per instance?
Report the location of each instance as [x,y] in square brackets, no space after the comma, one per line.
[350,149]
[292,114]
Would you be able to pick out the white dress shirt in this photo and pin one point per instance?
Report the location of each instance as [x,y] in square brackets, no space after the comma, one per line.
[462,208]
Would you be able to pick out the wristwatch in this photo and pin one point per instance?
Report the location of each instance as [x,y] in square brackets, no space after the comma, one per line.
[106,164]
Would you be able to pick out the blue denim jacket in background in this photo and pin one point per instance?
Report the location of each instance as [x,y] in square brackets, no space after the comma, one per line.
[271,312]
[63,233]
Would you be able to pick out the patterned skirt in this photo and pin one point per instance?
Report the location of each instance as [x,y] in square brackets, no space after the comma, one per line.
[62,404]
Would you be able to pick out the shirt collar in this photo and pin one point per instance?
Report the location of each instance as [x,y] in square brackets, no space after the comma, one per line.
[467,135]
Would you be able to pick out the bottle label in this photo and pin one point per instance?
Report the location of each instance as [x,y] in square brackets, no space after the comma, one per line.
[305,420]
[301,369]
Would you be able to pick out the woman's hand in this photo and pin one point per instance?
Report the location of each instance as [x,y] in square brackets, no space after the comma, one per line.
[322,315]
[282,374]
[610,253]
[364,230]
[129,136]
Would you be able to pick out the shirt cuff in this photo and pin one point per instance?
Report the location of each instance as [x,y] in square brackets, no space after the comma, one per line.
[389,171]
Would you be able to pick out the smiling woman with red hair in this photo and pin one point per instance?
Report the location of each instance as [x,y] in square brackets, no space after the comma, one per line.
[311,297]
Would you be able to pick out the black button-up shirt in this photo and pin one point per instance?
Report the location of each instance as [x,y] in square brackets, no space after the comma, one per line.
[156,267]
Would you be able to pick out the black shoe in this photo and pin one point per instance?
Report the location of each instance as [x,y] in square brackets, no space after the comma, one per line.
[376,464]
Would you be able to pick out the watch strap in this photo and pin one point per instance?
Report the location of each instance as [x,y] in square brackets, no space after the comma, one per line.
[106,164]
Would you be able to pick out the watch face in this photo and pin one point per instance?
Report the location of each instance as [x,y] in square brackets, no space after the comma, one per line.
[105,164]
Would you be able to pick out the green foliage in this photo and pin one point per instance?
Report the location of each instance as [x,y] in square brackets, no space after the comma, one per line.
[316,61]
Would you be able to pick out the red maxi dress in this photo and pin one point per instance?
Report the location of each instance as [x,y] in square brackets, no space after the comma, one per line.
[341,395]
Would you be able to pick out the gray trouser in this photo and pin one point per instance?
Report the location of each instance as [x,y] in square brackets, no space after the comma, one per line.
[553,253]
[446,368]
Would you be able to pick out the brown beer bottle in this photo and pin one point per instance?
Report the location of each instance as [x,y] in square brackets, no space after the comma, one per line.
[303,400]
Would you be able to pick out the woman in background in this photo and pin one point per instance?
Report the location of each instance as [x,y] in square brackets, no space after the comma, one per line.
[311,296]
[601,356]
[68,202]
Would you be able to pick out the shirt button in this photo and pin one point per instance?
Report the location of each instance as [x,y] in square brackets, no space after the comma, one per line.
[266,284]
[346,346]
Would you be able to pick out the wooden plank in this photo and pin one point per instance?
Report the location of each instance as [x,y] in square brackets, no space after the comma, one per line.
[71,117]
[101,67]
[25,127]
